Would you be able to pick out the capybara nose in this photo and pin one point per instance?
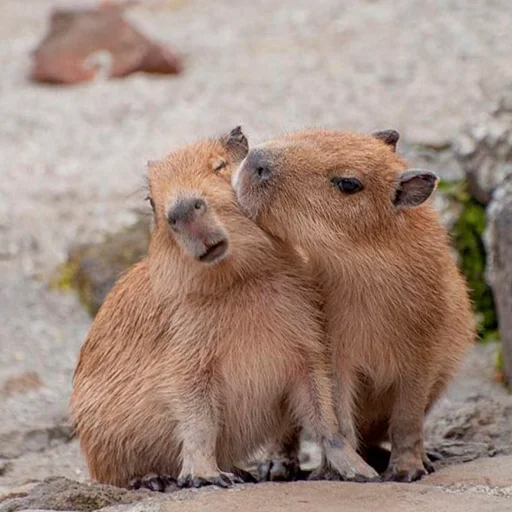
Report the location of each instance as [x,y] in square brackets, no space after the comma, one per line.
[259,163]
[185,211]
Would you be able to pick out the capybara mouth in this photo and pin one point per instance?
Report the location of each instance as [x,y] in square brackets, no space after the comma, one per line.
[215,252]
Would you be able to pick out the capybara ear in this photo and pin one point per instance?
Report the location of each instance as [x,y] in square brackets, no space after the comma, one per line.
[389,137]
[415,187]
[236,143]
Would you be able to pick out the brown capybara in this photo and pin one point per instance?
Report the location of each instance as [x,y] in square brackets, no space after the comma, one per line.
[398,314]
[207,349]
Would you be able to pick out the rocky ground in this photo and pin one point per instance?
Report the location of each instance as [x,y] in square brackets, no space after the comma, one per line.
[71,169]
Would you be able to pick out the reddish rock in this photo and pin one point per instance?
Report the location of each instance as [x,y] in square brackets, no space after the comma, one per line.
[82,42]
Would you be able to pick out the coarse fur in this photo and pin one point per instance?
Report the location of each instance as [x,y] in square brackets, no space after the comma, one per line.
[207,349]
[398,314]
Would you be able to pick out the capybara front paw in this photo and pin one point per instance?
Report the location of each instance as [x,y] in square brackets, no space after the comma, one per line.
[395,473]
[152,482]
[280,470]
[224,480]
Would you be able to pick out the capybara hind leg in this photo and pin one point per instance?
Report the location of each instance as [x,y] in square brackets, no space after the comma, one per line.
[406,428]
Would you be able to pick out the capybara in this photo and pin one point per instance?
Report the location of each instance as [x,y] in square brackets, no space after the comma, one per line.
[398,315]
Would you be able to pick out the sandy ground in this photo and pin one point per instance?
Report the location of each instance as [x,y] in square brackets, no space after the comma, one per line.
[72,159]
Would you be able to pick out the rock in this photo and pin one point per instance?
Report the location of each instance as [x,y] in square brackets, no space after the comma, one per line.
[472,419]
[5,467]
[491,471]
[59,459]
[476,428]
[36,439]
[485,150]
[93,269]
[438,158]
[85,43]
[499,271]
[60,493]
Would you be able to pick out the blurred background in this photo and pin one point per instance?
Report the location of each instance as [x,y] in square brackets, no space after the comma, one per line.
[74,143]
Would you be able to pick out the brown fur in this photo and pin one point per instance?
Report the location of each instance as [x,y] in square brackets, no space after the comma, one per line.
[398,313]
[188,364]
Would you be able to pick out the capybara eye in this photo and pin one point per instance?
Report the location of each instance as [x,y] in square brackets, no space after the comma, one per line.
[220,166]
[348,185]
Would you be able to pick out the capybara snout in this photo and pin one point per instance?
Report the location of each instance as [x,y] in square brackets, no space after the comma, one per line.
[185,211]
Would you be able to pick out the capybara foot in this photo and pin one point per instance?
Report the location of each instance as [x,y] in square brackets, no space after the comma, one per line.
[281,470]
[343,459]
[401,473]
[224,480]
[152,482]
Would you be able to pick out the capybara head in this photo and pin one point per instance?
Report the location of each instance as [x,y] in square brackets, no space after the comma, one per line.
[316,187]
[194,205]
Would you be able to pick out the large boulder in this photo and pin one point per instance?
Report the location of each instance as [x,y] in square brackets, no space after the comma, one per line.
[87,42]
[499,247]
[485,153]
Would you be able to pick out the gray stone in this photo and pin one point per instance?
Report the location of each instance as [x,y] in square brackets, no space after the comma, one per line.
[473,418]
[499,273]
[439,158]
[484,150]
[58,493]
[494,472]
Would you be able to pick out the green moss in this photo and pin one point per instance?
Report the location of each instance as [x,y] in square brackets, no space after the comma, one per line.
[92,269]
[467,234]
[63,280]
